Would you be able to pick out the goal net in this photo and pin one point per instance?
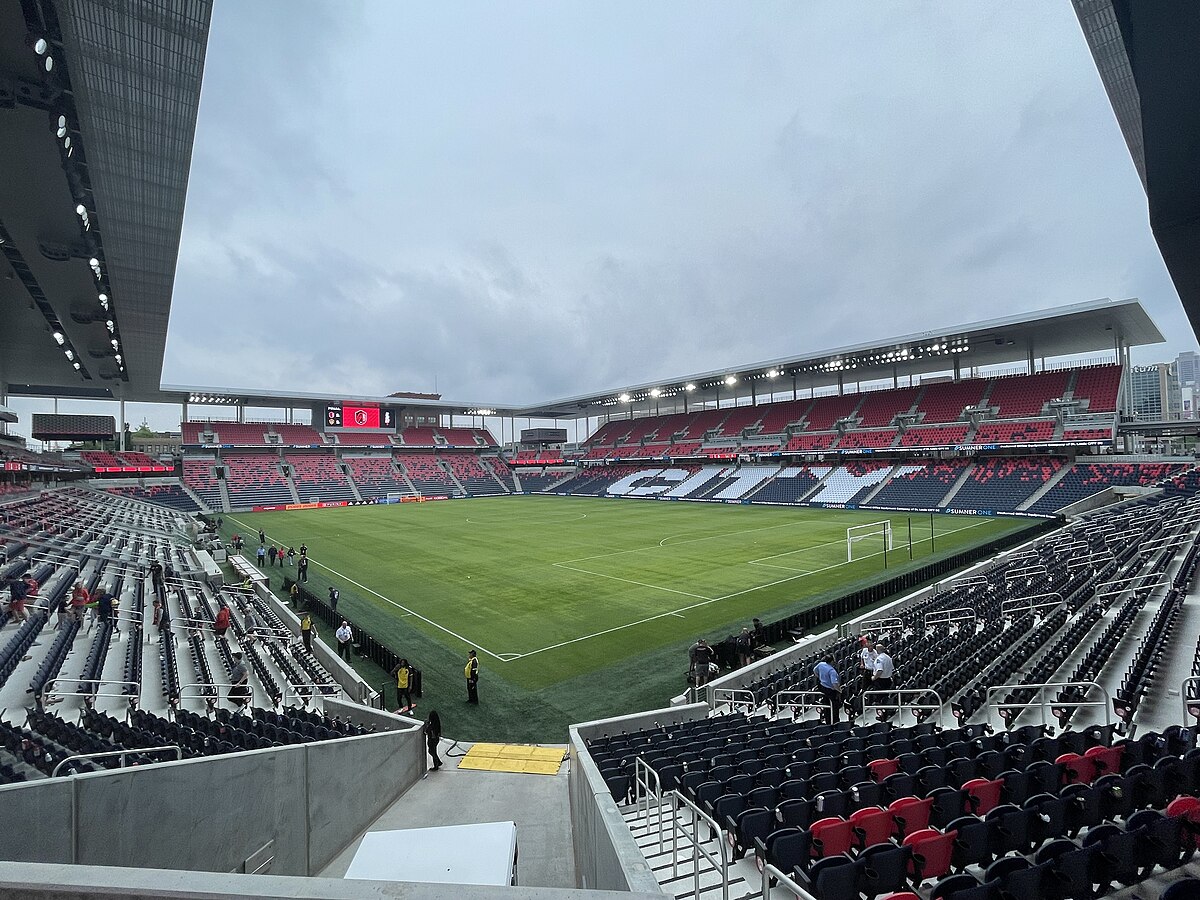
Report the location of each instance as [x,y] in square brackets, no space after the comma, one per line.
[877,535]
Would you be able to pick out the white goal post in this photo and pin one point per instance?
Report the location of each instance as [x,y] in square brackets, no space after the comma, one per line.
[880,531]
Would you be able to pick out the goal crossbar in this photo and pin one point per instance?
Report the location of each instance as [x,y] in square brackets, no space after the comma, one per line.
[856,533]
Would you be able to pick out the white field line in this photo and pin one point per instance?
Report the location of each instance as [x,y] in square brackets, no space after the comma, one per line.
[684,609]
[657,587]
[660,545]
[497,656]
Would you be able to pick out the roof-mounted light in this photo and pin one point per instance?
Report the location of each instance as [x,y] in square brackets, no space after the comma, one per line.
[689,387]
[58,336]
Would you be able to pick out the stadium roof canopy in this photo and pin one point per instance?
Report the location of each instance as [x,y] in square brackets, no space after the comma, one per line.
[1081,328]
[98,105]
[1148,56]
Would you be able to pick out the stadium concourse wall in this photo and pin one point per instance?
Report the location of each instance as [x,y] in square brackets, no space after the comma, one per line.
[281,810]
[607,858]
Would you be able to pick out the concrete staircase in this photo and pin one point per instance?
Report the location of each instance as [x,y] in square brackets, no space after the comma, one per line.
[958,483]
[1045,488]
[199,501]
[345,469]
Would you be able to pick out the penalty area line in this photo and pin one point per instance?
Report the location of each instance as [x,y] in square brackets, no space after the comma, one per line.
[408,612]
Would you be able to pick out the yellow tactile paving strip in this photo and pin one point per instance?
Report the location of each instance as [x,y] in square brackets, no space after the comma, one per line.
[513,758]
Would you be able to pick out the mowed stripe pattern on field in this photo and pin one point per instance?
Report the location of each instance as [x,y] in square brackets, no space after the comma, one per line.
[556,586]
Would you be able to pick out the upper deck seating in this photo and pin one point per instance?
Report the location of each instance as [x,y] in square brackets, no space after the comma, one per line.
[1100,386]
[242,434]
[879,408]
[418,436]
[825,411]
[1018,396]
[778,416]
[944,401]
[934,436]
[809,442]
[739,419]
[878,438]
[364,438]
[297,435]
[1037,432]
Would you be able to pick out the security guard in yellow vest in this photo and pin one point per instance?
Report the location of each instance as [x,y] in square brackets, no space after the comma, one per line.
[471,670]
[404,684]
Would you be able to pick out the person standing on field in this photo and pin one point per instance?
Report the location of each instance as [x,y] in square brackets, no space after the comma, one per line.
[471,670]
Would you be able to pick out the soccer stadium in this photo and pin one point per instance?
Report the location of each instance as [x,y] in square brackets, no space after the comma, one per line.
[913,618]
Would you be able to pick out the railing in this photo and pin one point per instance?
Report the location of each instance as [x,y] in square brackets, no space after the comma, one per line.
[1164,580]
[971,581]
[878,626]
[719,695]
[949,616]
[1027,572]
[802,703]
[721,864]
[893,699]
[644,790]
[1044,703]
[784,880]
[122,754]
[52,690]
[1010,608]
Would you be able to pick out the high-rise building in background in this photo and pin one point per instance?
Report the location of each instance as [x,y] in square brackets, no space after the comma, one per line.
[1156,392]
[1187,365]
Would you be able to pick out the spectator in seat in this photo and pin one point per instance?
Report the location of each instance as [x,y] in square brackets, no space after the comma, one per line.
[404,680]
[830,687]
[239,681]
[221,623]
[344,636]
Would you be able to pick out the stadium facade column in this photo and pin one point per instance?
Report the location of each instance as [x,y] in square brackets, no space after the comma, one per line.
[841,385]
[895,377]
[794,395]
[185,406]
[957,369]
[1031,360]
[753,396]
[121,422]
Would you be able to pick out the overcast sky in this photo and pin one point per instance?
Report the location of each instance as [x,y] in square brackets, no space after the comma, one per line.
[521,201]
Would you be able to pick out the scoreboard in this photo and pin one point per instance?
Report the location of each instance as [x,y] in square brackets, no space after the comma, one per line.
[346,415]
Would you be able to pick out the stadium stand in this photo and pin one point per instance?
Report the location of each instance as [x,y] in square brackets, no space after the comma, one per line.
[376,476]
[500,469]
[198,475]
[878,439]
[1003,484]
[318,475]
[297,435]
[740,419]
[457,437]
[475,479]
[100,459]
[417,436]
[778,416]
[850,483]
[242,434]
[362,438]
[171,495]
[945,401]
[1100,386]
[791,484]
[919,487]
[826,411]
[1085,479]
[1019,396]
[255,479]
[1039,432]
[880,408]
[934,436]
[426,474]
[808,443]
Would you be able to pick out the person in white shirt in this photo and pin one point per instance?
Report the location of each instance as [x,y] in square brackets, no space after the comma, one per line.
[344,636]
[881,677]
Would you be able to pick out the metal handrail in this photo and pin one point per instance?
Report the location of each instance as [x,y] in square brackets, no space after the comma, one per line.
[1027,572]
[899,705]
[1026,604]
[880,625]
[719,695]
[119,753]
[967,582]
[948,617]
[1164,581]
[769,871]
[651,791]
[782,700]
[722,864]
[51,688]
[1043,703]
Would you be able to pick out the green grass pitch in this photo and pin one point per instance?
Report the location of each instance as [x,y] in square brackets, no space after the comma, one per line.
[581,608]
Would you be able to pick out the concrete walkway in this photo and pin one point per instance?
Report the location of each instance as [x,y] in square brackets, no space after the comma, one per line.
[450,796]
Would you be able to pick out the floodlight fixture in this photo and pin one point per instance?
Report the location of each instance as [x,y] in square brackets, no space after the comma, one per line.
[689,387]
[76,365]
[49,63]
[624,398]
[58,336]
[731,379]
[655,392]
[115,343]
[70,353]
[38,43]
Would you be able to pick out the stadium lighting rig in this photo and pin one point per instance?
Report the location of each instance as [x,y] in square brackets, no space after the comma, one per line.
[65,128]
